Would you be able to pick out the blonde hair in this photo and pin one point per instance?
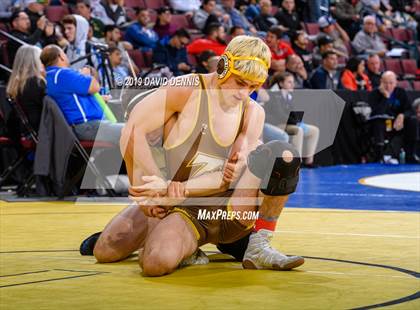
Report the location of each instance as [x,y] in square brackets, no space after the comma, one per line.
[27,64]
[247,46]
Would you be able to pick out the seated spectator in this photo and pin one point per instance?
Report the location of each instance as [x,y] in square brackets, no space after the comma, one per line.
[324,44]
[112,37]
[379,7]
[171,52]
[237,31]
[119,70]
[139,35]
[205,15]
[6,9]
[73,92]
[353,76]
[390,100]
[294,65]
[280,50]
[163,26]
[374,70]
[367,40]
[252,9]
[287,17]
[348,14]
[326,76]
[83,9]
[26,84]
[207,62]
[236,17]
[279,112]
[110,12]
[265,20]
[183,6]
[75,33]
[328,26]
[21,25]
[300,47]
[214,40]
[35,10]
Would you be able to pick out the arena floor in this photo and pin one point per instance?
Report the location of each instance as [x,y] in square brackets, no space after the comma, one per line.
[361,245]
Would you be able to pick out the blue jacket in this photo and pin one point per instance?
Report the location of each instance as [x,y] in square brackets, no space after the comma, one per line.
[170,56]
[321,78]
[141,37]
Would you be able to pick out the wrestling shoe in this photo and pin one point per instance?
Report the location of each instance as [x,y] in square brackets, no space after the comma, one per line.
[197,258]
[87,246]
[260,255]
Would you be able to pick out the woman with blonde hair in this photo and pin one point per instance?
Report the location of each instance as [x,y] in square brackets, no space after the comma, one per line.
[27,84]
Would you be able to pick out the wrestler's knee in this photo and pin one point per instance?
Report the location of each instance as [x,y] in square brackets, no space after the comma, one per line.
[158,262]
[106,254]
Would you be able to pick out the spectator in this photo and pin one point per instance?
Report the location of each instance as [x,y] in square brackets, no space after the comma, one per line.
[20,25]
[374,70]
[26,84]
[35,10]
[83,9]
[380,7]
[329,26]
[73,92]
[207,62]
[171,52]
[237,18]
[111,12]
[353,76]
[113,38]
[279,112]
[119,70]
[294,65]
[265,20]
[392,101]
[367,40]
[163,26]
[326,77]
[183,6]
[75,33]
[348,14]
[206,15]
[214,40]
[237,31]
[139,35]
[324,44]
[300,47]
[316,9]
[280,50]
[287,17]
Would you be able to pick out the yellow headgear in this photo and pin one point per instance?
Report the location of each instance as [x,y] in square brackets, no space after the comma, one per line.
[225,67]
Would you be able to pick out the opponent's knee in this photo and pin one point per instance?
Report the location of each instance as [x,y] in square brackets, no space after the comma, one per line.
[277,164]
[158,262]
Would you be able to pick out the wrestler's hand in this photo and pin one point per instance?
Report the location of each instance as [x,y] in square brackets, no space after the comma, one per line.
[234,167]
[154,211]
[152,187]
[175,195]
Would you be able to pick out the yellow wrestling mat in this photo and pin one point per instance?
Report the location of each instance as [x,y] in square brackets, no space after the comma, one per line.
[353,259]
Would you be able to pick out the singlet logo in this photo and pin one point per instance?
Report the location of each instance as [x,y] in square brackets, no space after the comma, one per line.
[203,163]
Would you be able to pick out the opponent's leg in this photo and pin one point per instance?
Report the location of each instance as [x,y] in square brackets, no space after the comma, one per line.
[170,242]
[123,235]
[277,165]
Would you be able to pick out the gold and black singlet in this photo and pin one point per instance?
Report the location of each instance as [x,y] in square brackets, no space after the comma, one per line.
[201,151]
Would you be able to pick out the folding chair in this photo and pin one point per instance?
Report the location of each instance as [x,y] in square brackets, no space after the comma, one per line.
[27,143]
[82,147]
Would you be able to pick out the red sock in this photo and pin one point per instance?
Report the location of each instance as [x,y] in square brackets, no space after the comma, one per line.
[264,224]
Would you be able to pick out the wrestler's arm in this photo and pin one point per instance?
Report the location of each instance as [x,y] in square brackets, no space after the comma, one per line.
[147,116]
